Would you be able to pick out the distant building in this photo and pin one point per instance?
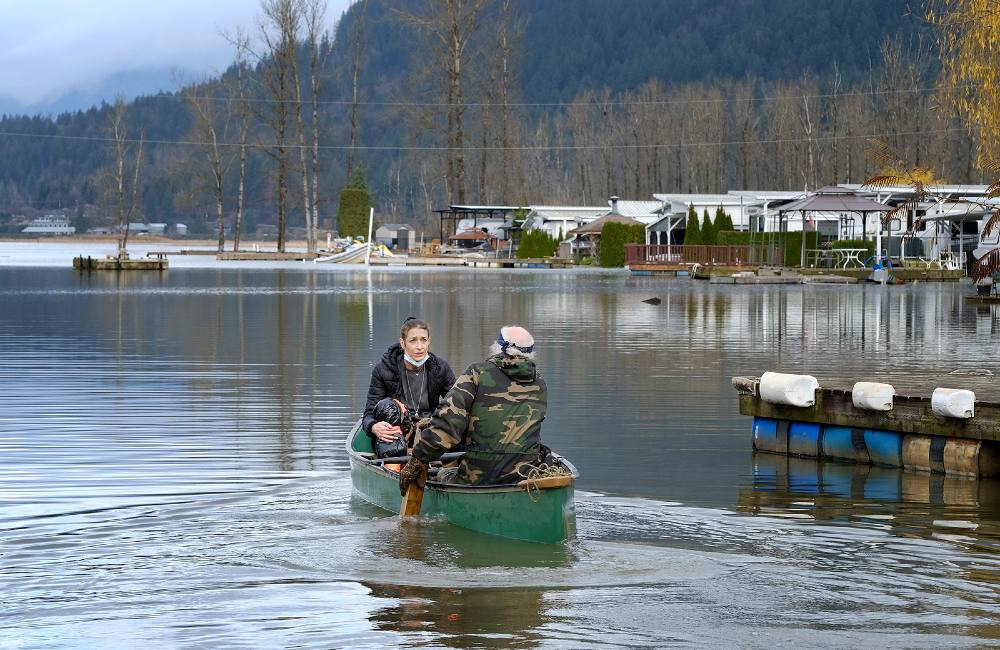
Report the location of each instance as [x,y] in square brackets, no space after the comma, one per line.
[100,230]
[558,220]
[138,228]
[396,236]
[181,229]
[157,228]
[50,224]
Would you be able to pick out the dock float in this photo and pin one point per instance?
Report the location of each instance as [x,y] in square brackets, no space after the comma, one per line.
[947,432]
[89,263]
[265,256]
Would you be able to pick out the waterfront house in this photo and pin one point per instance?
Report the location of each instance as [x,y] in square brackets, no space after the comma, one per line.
[558,220]
[50,224]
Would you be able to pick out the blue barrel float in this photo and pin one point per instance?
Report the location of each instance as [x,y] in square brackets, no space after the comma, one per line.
[818,441]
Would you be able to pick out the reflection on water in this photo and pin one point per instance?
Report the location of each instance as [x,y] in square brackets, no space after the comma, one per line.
[172,466]
[953,508]
[464,618]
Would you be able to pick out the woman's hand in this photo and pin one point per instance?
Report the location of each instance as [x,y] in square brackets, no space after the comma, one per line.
[386,432]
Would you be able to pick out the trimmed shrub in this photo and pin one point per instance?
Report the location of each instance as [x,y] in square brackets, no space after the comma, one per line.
[708,230]
[537,243]
[352,213]
[793,246]
[692,231]
[722,221]
[733,238]
[614,236]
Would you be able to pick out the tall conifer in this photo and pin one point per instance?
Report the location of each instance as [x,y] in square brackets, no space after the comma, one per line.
[692,232]
[707,230]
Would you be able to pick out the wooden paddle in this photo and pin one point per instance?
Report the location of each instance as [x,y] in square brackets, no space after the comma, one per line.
[414,496]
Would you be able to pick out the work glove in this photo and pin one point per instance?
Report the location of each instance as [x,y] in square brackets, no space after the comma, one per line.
[414,471]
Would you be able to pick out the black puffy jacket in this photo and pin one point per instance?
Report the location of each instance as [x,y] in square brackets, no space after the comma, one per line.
[385,381]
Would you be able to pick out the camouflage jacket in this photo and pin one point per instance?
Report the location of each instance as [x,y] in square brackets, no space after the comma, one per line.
[496,410]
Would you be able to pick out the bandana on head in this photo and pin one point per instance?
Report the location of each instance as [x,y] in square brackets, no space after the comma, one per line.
[504,344]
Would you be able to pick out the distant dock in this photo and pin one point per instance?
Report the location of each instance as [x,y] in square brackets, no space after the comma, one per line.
[476,262]
[90,263]
[743,274]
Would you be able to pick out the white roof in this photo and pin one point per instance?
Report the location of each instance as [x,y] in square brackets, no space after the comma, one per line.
[767,195]
[564,212]
[963,190]
[699,199]
[636,209]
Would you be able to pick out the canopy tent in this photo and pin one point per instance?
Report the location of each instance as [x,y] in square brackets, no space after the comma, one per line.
[832,199]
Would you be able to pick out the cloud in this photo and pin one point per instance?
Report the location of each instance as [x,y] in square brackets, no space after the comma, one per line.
[51,47]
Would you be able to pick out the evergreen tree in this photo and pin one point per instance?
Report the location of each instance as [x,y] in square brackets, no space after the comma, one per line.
[537,243]
[355,203]
[692,232]
[708,230]
[723,222]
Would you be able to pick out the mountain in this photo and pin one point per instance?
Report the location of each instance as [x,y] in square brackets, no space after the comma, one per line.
[568,47]
[576,44]
[129,84]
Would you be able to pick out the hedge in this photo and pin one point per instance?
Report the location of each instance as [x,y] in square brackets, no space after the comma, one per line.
[352,214]
[735,238]
[791,242]
[537,243]
[614,236]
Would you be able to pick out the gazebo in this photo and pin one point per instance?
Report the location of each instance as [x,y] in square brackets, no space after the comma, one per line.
[833,199]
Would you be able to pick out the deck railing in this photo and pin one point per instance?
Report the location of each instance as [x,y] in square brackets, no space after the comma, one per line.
[706,255]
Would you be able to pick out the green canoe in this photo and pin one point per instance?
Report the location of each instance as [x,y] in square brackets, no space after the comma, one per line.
[522,511]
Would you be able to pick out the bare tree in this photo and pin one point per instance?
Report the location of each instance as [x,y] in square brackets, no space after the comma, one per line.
[357,47]
[315,12]
[211,127]
[241,43]
[125,182]
[451,26]
[277,34]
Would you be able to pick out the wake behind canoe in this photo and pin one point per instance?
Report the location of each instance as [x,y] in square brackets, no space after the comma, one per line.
[539,510]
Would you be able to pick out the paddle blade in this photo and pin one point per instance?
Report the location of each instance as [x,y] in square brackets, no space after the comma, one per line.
[414,497]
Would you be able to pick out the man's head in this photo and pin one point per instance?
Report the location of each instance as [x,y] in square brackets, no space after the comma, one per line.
[514,341]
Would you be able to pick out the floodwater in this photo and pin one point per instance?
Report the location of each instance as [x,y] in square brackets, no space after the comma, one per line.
[173,473]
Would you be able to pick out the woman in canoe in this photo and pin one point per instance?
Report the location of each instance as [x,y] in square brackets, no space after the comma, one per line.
[410,373]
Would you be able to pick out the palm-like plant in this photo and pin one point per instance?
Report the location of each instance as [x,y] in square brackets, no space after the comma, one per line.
[897,172]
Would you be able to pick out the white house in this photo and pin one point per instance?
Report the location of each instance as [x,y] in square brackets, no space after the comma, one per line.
[645,212]
[50,224]
[556,219]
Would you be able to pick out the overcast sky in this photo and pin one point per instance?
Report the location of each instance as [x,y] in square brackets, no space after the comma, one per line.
[51,47]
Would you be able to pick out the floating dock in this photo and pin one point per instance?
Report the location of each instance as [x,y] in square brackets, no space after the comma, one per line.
[722,274]
[475,262]
[265,256]
[89,263]
[914,431]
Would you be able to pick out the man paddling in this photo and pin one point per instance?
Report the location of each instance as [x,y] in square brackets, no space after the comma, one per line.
[495,409]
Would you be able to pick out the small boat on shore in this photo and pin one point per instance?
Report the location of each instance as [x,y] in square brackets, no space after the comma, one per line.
[534,510]
[353,255]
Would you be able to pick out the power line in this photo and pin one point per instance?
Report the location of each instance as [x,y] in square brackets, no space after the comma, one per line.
[622,102]
[580,147]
